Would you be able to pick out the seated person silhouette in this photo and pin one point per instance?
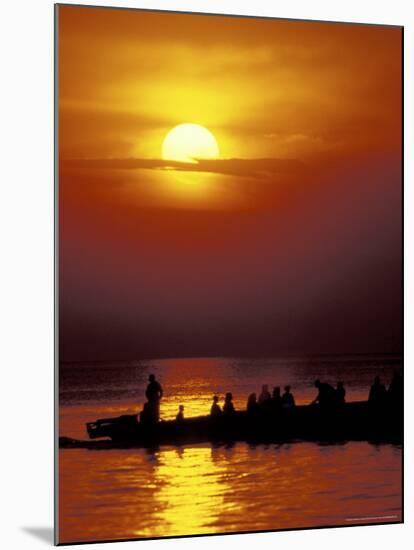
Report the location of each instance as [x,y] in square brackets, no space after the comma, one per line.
[340,393]
[326,397]
[264,395]
[252,405]
[396,390]
[287,399]
[215,407]
[154,394]
[228,407]
[377,393]
[180,414]
[276,400]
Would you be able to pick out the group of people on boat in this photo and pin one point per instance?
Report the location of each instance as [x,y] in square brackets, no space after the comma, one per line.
[276,401]
[379,395]
[327,398]
[215,410]
[268,402]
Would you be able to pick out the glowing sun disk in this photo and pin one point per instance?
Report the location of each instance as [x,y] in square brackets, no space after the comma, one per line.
[189,142]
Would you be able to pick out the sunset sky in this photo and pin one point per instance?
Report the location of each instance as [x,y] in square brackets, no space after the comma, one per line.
[288,242]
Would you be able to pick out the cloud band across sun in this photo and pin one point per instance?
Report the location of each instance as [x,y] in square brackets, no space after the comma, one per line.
[235,166]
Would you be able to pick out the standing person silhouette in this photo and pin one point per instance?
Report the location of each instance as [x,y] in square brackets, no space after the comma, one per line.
[154,393]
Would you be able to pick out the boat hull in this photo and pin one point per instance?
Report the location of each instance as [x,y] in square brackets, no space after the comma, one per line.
[350,421]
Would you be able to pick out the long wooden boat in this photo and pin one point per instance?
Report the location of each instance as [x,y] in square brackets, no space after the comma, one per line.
[350,421]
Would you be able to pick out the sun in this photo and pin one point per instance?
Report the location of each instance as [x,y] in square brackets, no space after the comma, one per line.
[189,142]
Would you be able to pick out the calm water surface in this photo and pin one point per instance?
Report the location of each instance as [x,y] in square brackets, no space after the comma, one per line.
[212,489]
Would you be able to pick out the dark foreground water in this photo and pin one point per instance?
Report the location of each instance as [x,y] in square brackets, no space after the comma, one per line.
[214,489]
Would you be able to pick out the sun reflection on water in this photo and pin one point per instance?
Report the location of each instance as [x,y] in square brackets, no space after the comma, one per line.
[191,491]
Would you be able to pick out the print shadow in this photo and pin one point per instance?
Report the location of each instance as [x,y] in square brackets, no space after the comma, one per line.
[44,534]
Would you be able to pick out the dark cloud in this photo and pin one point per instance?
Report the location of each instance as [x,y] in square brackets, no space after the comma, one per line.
[234,166]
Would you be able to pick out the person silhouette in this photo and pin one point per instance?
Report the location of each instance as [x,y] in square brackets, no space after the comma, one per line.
[326,394]
[154,393]
[252,404]
[340,393]
[215,407]
[228,407]
[377,392]
[276,400]
[396,389]
[287,399]
[180,414]
[264,395]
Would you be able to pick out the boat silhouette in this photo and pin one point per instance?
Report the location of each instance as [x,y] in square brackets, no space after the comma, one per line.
[359,420]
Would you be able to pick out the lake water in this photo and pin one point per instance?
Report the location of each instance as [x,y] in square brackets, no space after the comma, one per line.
[207,488]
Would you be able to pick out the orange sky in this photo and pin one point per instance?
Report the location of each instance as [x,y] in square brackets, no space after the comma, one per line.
[308,120]
[265,87]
